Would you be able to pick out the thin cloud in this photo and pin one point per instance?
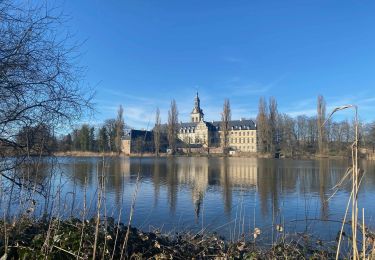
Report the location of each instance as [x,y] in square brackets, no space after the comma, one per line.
[237,88]
[308,106]
[120,94]
[232,59]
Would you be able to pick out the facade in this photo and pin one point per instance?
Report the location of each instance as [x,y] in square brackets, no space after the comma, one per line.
[242,133]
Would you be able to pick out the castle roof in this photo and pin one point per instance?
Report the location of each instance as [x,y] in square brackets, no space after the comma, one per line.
[135,134]
[243,124]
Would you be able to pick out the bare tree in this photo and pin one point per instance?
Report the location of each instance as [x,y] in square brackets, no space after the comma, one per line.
[262,126]
[157,130]
[172,126]
[370,135]
[312,132]
[287,134]
[301,125]
[321,113]
[225,118]
[39,80]
[119,129]
[273,128]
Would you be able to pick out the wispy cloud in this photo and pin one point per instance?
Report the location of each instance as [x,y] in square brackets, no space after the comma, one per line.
[239,88]
[127,97]
[308,106]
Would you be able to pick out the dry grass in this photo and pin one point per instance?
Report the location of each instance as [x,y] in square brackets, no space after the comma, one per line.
[353,174]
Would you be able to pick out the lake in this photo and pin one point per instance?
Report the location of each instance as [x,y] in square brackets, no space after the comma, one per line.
[230,196]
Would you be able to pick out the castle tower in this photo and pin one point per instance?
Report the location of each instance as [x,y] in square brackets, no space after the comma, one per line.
[197,113]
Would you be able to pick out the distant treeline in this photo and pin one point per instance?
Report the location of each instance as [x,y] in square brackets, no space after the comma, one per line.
[279,132]
[276,133]
[41,139]
[106,138]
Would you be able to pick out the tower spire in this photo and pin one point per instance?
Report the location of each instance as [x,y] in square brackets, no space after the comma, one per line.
[197,102]
[197,113]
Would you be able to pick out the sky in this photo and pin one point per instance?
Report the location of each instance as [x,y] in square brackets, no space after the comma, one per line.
[143,54]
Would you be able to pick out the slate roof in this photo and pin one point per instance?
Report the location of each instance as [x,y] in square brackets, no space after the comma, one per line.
[134,134]
[244,124]
[188,124]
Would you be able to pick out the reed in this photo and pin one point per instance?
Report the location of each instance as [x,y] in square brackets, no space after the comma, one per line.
[99,203]
[132,208]
[354,170]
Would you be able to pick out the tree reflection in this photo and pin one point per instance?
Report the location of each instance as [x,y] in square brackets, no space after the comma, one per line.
[172,183]
[323,182]
[226,185]
[267,185]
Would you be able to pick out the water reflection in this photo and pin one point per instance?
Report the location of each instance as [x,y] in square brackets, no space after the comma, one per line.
[207,189]
[269,178]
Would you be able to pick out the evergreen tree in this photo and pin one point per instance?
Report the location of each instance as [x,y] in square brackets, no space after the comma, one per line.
[103,140]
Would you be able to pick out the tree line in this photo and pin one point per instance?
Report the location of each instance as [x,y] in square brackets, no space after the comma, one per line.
[41,139]
[276,133]
[281,133]
[291,136]
[105,138]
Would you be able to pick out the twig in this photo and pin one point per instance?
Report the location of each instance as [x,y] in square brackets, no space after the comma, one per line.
[66,251]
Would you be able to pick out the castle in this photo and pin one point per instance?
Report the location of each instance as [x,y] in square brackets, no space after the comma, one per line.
[241,137]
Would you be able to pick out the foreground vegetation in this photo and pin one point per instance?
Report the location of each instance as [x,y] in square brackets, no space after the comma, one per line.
[76,239]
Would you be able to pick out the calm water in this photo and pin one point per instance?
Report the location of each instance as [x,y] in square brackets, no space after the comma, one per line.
[230,196]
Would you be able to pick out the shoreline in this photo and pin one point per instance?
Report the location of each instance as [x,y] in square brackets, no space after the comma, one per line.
[164,155]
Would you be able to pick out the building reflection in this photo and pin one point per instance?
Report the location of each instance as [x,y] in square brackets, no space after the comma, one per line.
[194,173]
[271,179]
[198,174]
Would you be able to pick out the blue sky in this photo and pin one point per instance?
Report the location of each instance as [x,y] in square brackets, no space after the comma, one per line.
[142,54]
